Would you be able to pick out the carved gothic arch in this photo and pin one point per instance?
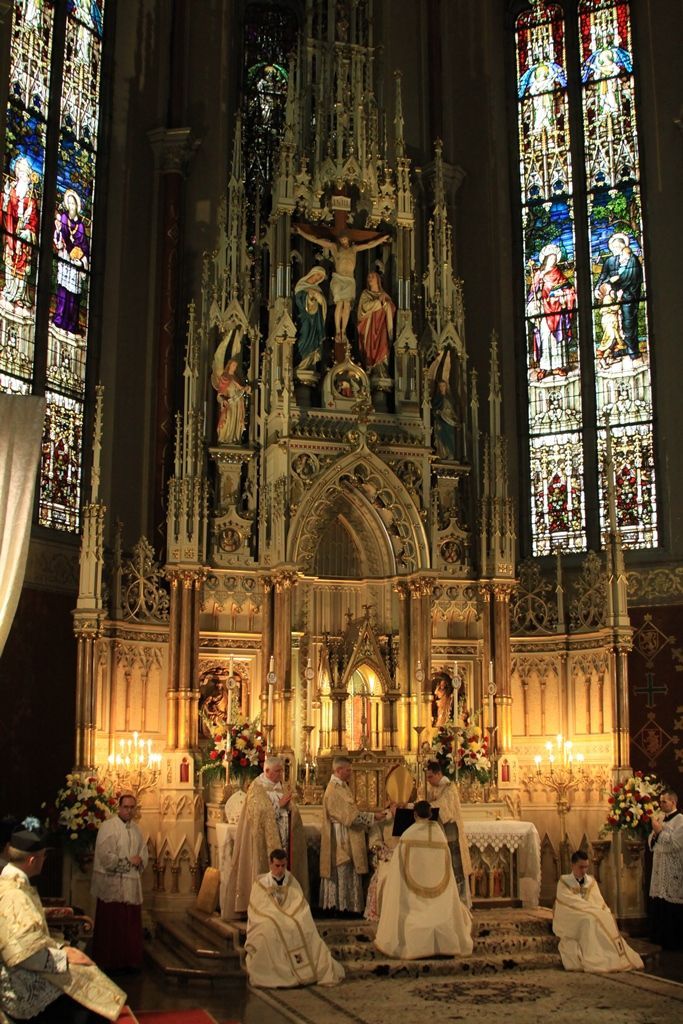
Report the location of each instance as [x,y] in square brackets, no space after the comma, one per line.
[364,489]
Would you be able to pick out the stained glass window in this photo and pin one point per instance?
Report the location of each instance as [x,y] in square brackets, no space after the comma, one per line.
[270,35]
[595,332]
[22,190]
[55,363]
[621,350]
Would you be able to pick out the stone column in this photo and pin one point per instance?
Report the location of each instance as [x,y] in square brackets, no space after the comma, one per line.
[87,630]
[181,808]
[172,149]
[284,581]
[501,665]
[266,642]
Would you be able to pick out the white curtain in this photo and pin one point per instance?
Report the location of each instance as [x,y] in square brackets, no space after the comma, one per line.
[21,431]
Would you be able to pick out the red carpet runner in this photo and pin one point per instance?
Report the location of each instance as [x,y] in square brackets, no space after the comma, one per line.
[168,1017]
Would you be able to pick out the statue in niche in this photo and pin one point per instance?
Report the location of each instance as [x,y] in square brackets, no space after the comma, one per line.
[214,688]
[231,396]
[444,414]
[344,248]
[443,701]
[375,326]
[311,306]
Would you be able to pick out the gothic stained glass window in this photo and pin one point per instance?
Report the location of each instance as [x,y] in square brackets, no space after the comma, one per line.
[270,35]
[620,331]
[73,59]
[22,190]
[550,295]
[611,311]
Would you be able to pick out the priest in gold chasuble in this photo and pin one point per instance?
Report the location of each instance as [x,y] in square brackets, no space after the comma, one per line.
[343,845]
[270,820]
[422,914]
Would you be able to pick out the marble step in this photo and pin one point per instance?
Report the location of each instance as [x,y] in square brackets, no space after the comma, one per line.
[185,933]
[501,946]
[178,951]
[473,965]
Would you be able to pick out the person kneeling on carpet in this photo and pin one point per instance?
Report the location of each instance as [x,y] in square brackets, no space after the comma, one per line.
[422,914]
[588,934]
[283,946]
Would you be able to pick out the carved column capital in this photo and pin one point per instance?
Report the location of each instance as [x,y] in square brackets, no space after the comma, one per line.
[189,578]
[285,579]
[173,149]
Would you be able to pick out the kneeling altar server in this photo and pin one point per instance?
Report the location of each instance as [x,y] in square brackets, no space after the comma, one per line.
[422,914]
[283,947]
[589,937]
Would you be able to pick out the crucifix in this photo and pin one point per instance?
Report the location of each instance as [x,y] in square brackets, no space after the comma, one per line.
[343,243]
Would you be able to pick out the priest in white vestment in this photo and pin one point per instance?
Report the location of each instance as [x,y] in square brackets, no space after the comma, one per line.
[422,914]
[343,850]
[666,885]
[269,820]
[589,936]
[283,947]
[38,973]
[444,794]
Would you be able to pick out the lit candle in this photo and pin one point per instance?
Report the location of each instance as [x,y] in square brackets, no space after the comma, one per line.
[229,718]
[270,704]
[110,759]
[309,693]
[537,762]
[559,740]
[491,673]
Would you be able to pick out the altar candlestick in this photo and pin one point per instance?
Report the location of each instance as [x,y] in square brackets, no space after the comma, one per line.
[309,693]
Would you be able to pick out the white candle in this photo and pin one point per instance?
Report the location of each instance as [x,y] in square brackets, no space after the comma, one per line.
[229,719]
[309,693]
[456,677]
[491,672]
[270,704]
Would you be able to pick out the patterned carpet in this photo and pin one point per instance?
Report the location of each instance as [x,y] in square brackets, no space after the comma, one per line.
[521,995]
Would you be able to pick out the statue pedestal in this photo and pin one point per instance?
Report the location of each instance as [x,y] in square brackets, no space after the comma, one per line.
[623,881]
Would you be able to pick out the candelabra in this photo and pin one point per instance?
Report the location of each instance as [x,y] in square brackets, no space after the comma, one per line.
[563,773]
[134,766]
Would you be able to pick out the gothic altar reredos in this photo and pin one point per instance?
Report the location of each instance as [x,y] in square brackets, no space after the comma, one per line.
[338,519]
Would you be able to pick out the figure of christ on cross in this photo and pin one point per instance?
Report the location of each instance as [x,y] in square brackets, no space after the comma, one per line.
[344,243]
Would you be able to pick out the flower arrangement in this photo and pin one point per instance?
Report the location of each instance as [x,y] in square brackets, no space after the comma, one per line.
[463,750]
[240,749]
[633,803]
[79,809]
